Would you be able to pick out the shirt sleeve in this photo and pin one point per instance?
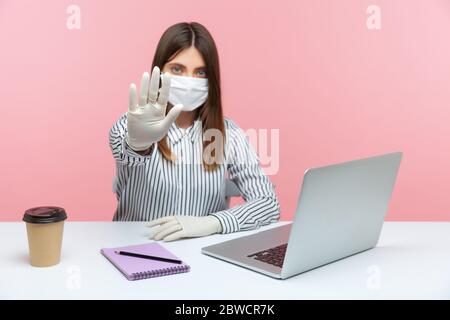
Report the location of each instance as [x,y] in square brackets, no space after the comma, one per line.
[243,165]
[122,153]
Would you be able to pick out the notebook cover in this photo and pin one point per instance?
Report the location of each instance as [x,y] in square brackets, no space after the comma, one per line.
[138,268]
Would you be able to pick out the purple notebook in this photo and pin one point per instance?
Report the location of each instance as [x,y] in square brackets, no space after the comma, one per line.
[138,268]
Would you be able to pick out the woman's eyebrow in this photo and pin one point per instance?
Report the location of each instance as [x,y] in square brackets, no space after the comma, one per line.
[183,66]
[177,63]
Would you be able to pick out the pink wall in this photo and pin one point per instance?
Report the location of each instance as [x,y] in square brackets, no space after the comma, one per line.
[335,89]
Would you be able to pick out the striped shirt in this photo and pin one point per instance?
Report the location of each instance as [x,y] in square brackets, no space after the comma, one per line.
[150,187]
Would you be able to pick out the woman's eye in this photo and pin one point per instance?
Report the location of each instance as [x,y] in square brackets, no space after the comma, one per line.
[176,69]
[201,73]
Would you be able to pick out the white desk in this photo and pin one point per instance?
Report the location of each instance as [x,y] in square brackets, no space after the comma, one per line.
[412,260]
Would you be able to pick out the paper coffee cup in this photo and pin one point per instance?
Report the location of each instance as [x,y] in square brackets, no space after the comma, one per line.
[45,231]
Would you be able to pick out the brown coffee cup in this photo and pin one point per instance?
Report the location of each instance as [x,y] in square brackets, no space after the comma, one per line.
[45,231]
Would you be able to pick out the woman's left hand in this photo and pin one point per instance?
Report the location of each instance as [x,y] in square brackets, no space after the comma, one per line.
[177,227]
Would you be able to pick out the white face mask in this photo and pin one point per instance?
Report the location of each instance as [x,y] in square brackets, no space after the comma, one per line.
[189,91]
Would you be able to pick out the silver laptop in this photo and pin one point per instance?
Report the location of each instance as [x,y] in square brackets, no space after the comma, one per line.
[340,212]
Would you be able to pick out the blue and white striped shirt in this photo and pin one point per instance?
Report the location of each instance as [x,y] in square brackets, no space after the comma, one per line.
[150,187]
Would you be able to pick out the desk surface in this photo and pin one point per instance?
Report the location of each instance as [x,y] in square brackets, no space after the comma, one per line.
[412,260]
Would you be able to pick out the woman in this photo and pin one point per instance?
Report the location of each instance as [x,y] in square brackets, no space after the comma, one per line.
[174,149]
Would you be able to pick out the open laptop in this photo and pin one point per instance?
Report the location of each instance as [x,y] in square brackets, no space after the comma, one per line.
[340,212]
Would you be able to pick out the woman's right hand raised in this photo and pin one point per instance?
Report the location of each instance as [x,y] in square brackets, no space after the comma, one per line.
[147,121]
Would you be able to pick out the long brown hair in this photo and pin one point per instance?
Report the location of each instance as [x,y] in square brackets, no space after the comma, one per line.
[174,39]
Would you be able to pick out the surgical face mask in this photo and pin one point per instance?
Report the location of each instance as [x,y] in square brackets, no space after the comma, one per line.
[189,91]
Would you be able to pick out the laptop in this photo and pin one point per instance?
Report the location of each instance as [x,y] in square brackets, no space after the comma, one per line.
[340,212]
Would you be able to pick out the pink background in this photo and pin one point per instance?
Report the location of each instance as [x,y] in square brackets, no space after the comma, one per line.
[336,90]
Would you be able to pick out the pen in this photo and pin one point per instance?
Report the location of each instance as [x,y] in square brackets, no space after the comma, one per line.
[138,255]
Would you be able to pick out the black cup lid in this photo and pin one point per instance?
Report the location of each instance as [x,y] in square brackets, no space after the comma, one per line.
[44,215]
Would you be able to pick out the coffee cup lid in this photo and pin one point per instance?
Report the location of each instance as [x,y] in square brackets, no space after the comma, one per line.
[46,214]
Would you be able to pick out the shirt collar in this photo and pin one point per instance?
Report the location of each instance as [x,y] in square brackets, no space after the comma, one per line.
[175,133]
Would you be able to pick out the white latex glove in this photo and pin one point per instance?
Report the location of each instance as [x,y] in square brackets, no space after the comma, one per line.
[147,121]
[176,227]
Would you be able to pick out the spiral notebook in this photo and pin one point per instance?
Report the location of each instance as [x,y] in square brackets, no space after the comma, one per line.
[138,268]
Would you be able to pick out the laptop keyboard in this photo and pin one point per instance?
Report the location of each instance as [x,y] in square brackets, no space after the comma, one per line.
[273,256]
